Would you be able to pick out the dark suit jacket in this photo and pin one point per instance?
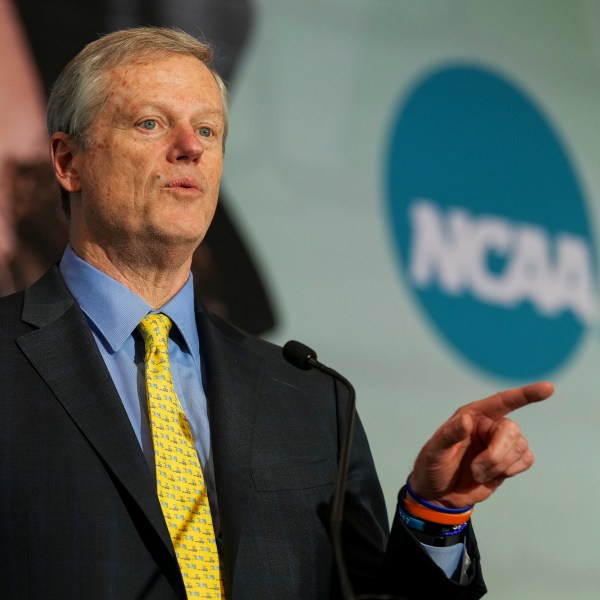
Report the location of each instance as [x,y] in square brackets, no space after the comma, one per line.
[79,517]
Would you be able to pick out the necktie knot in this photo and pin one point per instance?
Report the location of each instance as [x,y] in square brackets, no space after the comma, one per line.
[155,330]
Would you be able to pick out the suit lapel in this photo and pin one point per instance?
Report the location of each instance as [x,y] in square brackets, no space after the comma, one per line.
[63,351]
[232,380]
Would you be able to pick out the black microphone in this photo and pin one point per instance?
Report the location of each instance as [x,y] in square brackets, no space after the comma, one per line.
[305,358]
[299,355]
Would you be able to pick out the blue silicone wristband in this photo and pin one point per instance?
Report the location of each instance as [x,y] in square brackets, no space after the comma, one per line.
[442,509]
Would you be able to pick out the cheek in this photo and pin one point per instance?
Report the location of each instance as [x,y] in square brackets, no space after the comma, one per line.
[216,171]
[111,190]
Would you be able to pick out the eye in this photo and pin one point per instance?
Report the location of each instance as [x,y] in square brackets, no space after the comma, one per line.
[205,131]
[149,124]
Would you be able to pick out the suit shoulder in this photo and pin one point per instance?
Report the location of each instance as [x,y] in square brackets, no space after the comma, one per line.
[16,299]
[11,308]
[271,354]
[250,341]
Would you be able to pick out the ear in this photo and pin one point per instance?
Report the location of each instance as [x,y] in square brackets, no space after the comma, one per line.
[63,150]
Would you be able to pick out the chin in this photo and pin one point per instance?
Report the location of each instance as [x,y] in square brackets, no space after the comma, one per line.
[180,236]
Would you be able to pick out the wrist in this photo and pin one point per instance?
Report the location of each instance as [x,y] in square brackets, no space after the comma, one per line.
[436,513]
[432,534]
[432,524]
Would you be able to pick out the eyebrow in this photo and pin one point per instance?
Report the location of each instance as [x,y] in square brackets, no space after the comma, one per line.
[165,108]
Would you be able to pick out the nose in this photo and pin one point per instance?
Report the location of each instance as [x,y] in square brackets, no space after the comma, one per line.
[186,145]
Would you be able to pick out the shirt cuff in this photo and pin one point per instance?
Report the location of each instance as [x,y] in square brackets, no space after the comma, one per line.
[448,558]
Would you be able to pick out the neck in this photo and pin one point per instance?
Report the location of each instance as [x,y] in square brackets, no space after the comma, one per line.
[154,279]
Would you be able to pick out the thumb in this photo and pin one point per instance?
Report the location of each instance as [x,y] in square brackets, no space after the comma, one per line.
[439,460]
[453,432]
[451,441]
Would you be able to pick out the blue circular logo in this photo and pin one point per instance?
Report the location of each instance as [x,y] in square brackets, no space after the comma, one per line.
[490,223]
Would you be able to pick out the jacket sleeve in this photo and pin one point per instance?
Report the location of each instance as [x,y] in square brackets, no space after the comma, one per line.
[392,563]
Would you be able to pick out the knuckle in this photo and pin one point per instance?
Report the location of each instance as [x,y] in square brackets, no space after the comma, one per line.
[528,459]
[523,444]
[511,429]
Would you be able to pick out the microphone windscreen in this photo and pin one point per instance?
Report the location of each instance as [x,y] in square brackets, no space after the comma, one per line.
[298,354]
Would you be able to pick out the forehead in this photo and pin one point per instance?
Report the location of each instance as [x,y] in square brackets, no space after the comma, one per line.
[180,78]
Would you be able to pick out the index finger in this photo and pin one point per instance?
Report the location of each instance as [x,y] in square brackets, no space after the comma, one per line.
[500,404]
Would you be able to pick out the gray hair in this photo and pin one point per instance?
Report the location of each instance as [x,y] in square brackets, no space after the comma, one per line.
[81,90]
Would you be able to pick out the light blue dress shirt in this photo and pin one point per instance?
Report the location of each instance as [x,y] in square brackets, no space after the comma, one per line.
[113,312]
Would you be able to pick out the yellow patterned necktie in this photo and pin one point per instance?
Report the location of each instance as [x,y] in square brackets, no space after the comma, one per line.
[179,478]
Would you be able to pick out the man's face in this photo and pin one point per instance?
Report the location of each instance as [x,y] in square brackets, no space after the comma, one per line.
[150,175]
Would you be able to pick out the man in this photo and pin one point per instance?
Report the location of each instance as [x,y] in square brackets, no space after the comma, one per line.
[96,471]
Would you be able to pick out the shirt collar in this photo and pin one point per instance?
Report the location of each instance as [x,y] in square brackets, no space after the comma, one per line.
[115,311]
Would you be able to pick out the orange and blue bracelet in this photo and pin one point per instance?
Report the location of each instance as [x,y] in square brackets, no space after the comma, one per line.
[428,532]
[432,513]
